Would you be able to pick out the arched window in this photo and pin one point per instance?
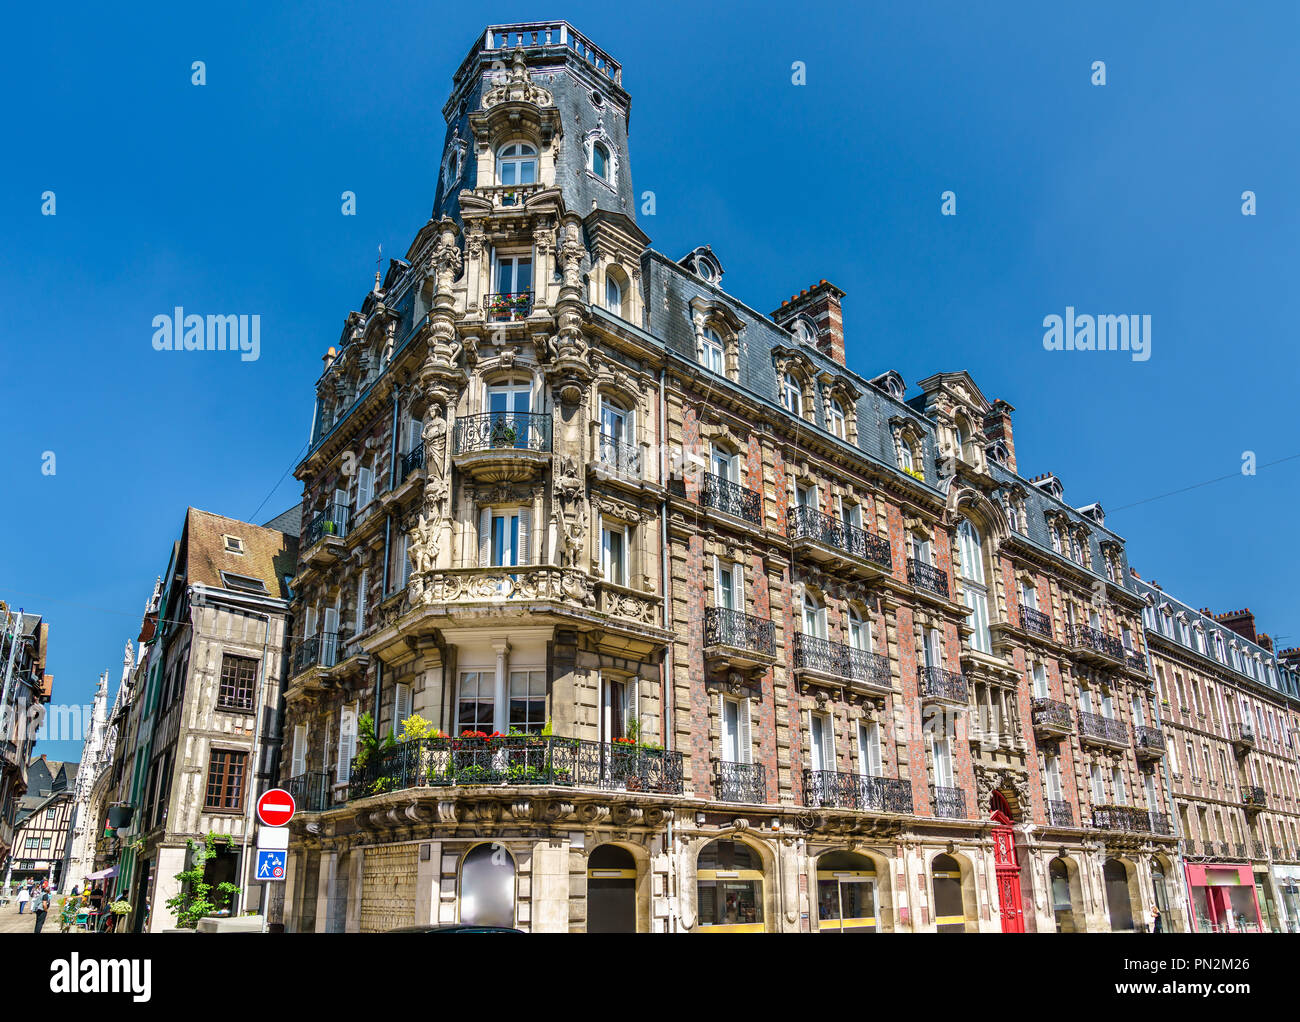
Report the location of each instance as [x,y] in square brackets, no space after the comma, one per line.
[613,294]
[600,161]
[836,420]
[517,164]
[973,590]
[712,350]
[487,887]
[729,887]
[859,631]
[814,616]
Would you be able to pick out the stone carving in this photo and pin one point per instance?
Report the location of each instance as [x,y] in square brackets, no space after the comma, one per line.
[571,255]
[518,87]
[570,512]
[446,260]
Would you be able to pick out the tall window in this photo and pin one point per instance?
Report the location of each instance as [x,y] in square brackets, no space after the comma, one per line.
[725,464]
[613,552]
[728,584]
[475,706]
[613,295]
[238,676]
[859,631]
[504,536]
[712,351]
[528,701]
[402,706]
[225,787]
[1040,681]
[347,743]
[735,730]
[941,753]
[517,164]
[600,161]
[514,274]
[1098,785]
[1117,784]
[814,616]
[298,760]
[1052,770]
[821,744]
[974,593]
[869,760]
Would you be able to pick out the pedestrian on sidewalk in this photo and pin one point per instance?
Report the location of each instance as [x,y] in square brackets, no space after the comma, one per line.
[24,896]
[41,907]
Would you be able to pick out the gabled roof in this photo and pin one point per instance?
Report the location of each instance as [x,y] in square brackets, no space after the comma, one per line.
[268,554]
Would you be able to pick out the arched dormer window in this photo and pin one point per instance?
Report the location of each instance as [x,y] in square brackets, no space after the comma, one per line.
[712,350]
[836,420]
[600,160]
[791,394]
[517,164]
[908,445]
[613,292]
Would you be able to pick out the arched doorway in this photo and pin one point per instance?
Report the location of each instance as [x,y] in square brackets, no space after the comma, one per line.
[1007,866]
[487,887]
[846,893]
[1063,881]
[1118,901]
[729,888]
[949,906]
[611,890]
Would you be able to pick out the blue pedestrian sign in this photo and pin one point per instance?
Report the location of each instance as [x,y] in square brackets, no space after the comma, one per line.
[270,865]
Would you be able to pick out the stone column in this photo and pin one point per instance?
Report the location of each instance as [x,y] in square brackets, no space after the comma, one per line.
[329,864]
[500,694]
[427,875]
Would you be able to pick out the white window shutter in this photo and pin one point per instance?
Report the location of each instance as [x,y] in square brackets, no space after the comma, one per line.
[525,535]
[347,742]
[299,763]
[484,537]
[744,731]
[365,486]
[360,624]
[401,706]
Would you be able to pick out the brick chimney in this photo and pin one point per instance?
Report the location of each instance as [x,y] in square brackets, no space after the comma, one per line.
[1240,621]
[997,426]
[821,304]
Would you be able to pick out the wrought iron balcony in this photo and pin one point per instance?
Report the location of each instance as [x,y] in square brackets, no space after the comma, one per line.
[411,460]
[1253,797]
[741,782]
[331,521]
[1148,742]
[320,650]
[502,431]
[809,526]
[940,685]
[1032,620]
[508,306]
[732,498]
[949,803]
[1276,851]
[619,455]
[927,576]
[1093,640]
[311,791]
[736,630]
[1099,730]
[827,788]
[1259,849]
[1059,813]
[1130,818]
[1051,717]
[870,670]
[1241,850]
[1242,735]
[1135,661]
[517,760]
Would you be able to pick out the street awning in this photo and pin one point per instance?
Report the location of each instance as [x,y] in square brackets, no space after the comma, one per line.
[103,874]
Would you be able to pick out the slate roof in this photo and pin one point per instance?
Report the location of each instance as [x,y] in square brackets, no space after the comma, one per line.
[269,554]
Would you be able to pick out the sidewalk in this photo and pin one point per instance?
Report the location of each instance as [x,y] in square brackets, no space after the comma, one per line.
[12,922]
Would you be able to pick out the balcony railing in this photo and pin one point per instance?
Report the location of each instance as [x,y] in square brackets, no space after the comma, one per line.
[311,791]
[809,523]
[1102,729]
[857,791]
[1242,735]
[940,684]
[320,650]
[508,306]
[1130,818]
[1148,741]
[1051,716]
[619,455]
[1253,797]
[1032,620]
[1258,846]
[1096,641]
[529,760]
[949,803]
[1135,661]
[331,521]
[734,499]
[738,630]
[927,576]
[411,460]
[741,782]
[815,654]
[495,431]
[1059,813]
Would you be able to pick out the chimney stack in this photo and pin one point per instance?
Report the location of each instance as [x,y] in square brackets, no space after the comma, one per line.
[821,305]
[997,426]
[1240,621]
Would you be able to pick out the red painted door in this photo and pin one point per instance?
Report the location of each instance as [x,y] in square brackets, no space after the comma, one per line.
[1008,875]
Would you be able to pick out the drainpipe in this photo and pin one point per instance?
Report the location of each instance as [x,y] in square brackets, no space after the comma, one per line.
[665,580]
[388,540]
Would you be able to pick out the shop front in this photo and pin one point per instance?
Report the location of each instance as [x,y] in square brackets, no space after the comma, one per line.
[1223,899]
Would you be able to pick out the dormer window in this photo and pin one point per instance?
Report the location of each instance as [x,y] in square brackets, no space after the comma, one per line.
[791,394]
[517,164]
[835,419]
[803,332]
[613,295]
[600,161]
[712,350]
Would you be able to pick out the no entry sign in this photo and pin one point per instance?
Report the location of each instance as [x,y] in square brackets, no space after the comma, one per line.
[275,807]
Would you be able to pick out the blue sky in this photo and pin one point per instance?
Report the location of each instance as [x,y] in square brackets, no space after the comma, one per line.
[1124,198]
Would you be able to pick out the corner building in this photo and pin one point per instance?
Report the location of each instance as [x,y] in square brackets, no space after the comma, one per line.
[770,646]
